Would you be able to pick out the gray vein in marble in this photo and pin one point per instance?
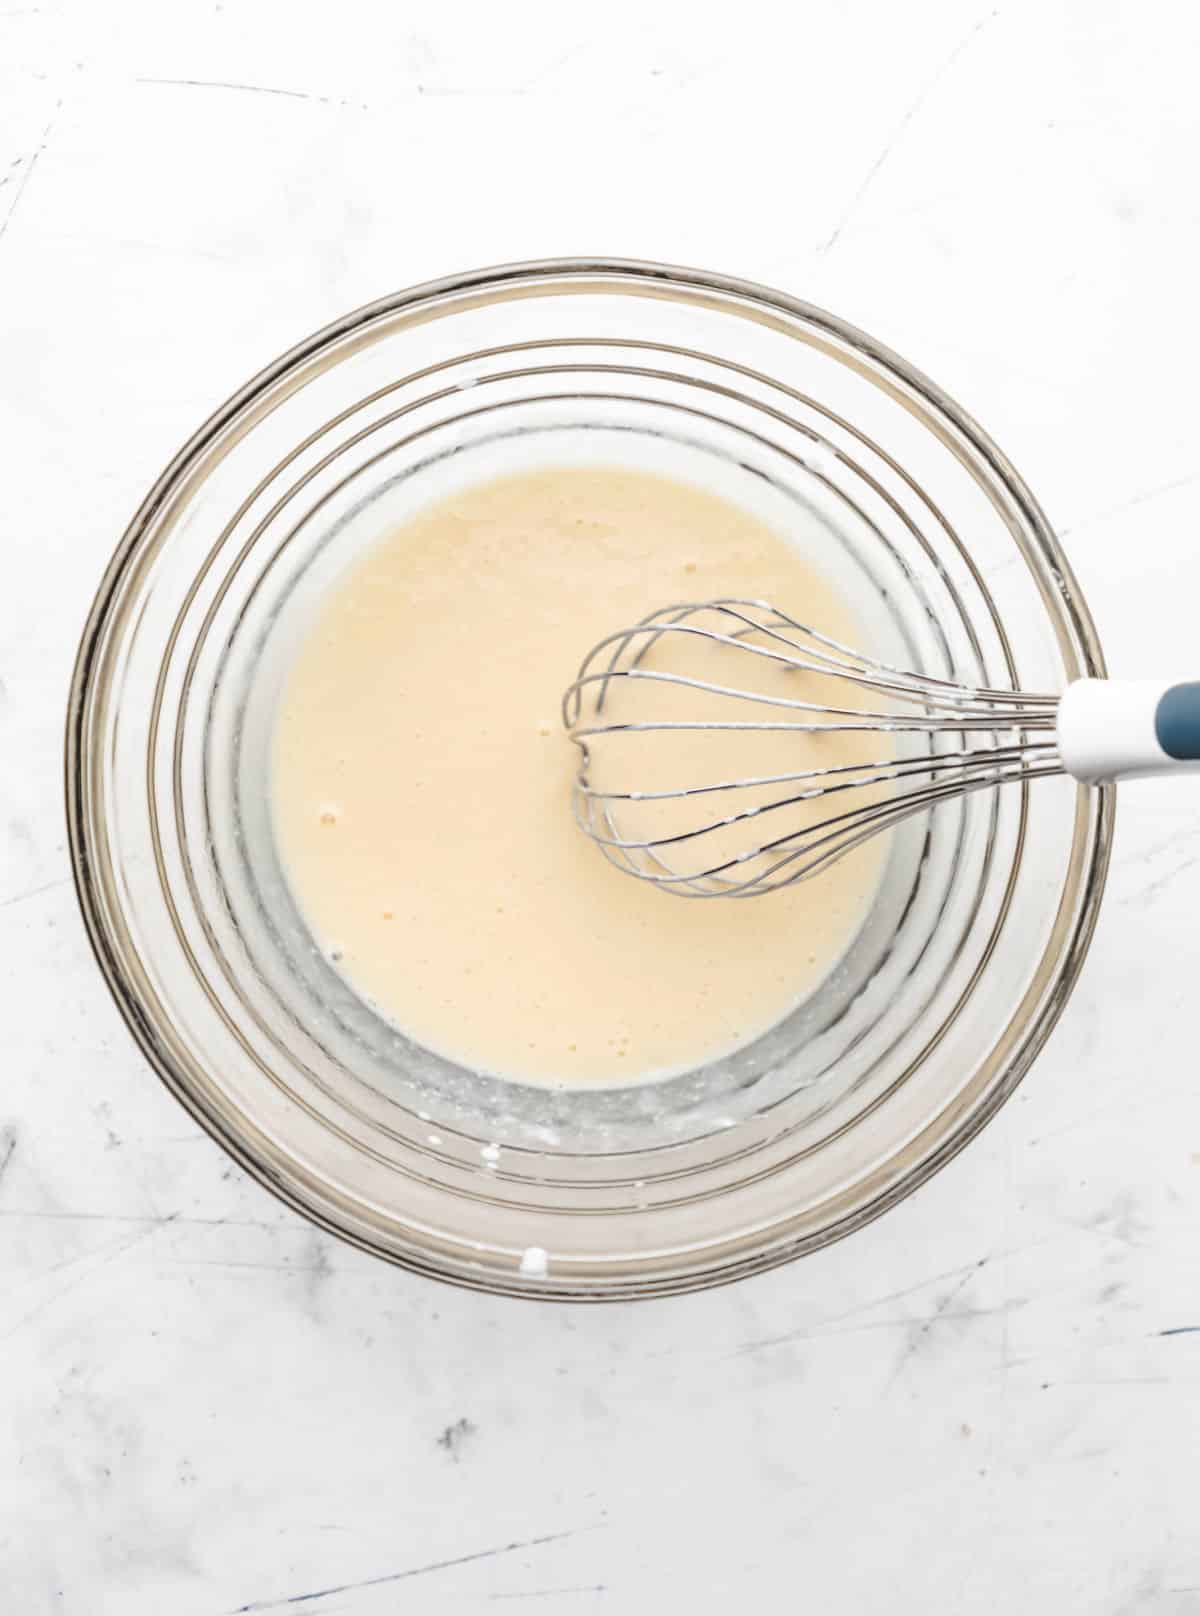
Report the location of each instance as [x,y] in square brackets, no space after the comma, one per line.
[19,194]
[1121,1219]
[919,1334]
[940,1315]
[414,1571]
[317,1270]
[8,1144]
[34,892]
[248,89]
[305,1269]
[37,1215]
[110,1255]
[894,138]
[547,1593]
[1140,498]
[864,1307]
[1151,888]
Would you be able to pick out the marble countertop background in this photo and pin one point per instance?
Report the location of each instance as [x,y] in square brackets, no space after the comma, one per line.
[989,1400]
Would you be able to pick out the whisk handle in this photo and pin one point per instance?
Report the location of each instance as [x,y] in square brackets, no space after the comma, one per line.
[1114,729]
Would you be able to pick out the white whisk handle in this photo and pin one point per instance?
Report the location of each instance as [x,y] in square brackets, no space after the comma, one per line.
[1115,729]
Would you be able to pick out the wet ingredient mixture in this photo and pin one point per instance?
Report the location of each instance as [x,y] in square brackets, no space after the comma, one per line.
[421,786]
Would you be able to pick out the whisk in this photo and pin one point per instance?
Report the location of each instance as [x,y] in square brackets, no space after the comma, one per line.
[747,672]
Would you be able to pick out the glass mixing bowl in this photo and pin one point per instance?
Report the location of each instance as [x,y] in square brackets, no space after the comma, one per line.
[926,1025]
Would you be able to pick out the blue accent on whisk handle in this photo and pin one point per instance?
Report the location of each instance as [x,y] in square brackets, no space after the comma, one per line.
[1177,722]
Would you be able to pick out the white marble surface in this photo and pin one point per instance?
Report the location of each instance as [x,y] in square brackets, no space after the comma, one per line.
[985,1402]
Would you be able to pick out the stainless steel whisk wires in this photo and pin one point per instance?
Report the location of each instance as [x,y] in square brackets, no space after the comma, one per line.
[754,849]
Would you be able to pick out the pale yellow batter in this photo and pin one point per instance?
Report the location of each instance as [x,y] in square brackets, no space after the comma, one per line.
[422,784]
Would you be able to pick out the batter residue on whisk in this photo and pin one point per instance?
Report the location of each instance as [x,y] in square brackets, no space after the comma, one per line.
[422,782]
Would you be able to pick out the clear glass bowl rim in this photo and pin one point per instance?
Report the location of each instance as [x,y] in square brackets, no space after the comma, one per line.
[1065,602]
